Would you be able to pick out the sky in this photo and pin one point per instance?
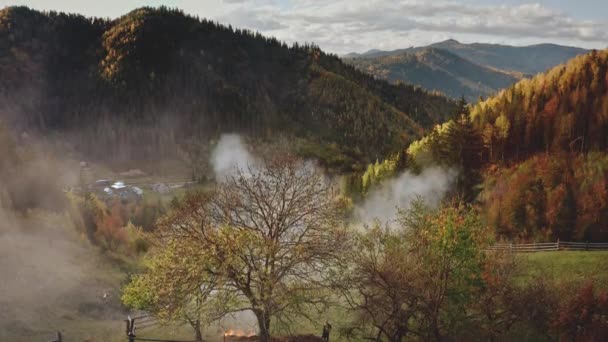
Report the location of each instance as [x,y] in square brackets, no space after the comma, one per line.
[343,26]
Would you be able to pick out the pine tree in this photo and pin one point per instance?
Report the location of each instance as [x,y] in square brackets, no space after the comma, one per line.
[461,147]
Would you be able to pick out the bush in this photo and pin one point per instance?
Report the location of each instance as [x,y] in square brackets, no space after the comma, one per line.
[419,280]
[584,317]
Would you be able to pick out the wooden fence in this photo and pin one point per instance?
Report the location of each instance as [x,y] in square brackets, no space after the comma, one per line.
[550,246]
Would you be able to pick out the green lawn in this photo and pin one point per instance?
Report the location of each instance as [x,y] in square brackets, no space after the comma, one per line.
[567,266]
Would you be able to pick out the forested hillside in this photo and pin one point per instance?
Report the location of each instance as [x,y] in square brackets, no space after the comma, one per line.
[565,109]
[557,123]
[438,70]
[548,197]
[144,83]
[534,156]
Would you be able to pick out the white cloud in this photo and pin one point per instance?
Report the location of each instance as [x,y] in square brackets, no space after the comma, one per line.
[346,25]
[342,26]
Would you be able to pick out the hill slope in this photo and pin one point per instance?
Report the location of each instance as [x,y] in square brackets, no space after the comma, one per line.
[565,109]
[143,83]
[542,149]
[438,70]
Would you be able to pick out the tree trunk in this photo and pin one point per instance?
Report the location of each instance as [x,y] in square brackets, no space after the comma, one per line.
[198,335]
[437,333]
[435,326]
[263,325]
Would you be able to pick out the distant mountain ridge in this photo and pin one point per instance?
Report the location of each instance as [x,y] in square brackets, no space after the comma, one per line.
[530,59]
[439,70]
[456,69]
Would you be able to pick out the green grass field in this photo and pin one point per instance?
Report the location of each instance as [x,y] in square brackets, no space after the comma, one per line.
[560,267]
[567,266]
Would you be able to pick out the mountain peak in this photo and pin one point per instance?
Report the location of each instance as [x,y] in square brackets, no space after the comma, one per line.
[450,41]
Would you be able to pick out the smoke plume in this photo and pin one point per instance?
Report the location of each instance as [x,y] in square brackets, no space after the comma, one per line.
[382,203]
[52,279]
[229,155]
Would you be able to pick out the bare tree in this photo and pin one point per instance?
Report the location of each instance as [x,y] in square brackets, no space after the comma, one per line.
[378,287]
[269,235]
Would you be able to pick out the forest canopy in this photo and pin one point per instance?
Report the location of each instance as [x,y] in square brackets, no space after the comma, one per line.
[144,83]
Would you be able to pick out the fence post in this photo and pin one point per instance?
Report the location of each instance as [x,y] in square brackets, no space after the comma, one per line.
[130,328]
[558,244]
[586,245]
[511,247]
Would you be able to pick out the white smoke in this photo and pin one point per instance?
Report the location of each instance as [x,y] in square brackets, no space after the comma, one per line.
[382,203]
[230,155]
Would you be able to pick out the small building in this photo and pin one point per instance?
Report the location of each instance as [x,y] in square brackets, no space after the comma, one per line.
[117,189]
[119,185]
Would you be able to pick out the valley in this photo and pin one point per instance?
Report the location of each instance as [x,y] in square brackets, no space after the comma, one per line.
[220,184]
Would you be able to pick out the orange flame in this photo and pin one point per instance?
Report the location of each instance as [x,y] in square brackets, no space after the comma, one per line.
[239,333]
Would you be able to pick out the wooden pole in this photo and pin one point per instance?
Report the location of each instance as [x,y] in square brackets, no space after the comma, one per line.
[57,338]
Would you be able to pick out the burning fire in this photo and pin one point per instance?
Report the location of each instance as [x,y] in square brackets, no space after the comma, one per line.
[239,333]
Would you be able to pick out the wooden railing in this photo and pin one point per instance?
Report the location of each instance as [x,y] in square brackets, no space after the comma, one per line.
[550,246]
